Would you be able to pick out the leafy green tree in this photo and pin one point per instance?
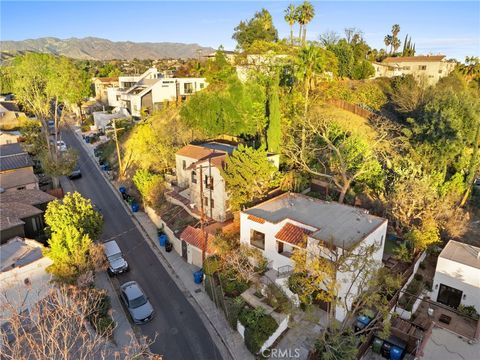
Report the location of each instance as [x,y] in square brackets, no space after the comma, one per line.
[260,27]
[5,80]
[335,345]
[274,130]
[233,109]
[46,85]
[69,251]
[344,53]
[337,155]
[152,143]
[109,70]
[219,70]
[363,70]
[148,184]
[248,176]
[74,211]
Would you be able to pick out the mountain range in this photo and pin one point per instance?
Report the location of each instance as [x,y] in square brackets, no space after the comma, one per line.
[92,48]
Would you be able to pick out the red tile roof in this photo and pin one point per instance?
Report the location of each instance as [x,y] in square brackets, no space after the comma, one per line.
[196,238]
[433,58]
[292,234]
[256,219]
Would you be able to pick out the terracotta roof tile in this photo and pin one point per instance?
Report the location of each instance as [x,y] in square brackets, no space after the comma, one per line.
[256,219]
[414,59]
[292,234]
[196,238]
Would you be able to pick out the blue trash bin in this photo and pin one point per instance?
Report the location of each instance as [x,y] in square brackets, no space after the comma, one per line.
[163,239]
[198,276]
[122,189]
[87,139]
[135,207]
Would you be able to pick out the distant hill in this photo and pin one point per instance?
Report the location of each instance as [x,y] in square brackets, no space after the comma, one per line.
[102,49]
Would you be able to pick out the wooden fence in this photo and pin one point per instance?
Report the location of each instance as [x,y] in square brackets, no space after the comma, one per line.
[358,110]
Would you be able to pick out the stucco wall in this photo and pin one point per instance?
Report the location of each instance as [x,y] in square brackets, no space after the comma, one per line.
[177,244]
[458,276]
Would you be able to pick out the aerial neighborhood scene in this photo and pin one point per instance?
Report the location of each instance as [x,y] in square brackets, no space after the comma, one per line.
[236,180]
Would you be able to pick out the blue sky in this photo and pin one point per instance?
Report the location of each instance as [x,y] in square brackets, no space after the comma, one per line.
[451,28]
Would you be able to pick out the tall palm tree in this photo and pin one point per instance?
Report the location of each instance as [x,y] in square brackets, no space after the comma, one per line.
[305,14]
[310,62]
[388,42]
[291,19]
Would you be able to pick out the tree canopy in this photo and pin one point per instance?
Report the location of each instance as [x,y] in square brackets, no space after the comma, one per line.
[260,27]
[248,176]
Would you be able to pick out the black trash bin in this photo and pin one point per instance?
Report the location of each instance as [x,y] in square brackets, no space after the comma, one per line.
[168,247]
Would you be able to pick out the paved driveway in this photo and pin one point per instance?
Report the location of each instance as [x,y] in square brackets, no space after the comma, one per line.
[180,332]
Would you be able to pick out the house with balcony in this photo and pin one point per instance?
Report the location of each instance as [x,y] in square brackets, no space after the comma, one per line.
[431,68]
[294,221]
[199,179]
[150,90]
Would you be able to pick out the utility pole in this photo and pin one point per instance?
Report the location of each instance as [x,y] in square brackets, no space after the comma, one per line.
[115,131]
[202,216]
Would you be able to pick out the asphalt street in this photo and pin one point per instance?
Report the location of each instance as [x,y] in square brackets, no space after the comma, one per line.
[178,330]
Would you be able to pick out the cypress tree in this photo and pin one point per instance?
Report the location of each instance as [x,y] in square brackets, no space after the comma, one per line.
[274,131]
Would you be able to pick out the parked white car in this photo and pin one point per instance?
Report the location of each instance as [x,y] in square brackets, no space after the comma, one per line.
[61,146]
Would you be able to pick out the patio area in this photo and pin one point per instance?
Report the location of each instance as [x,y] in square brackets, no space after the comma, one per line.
[445,318]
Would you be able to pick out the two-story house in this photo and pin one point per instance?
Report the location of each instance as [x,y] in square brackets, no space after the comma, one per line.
[199,179]
[150,90]
[430,68]
[198,170]
[101,86]
[294,221]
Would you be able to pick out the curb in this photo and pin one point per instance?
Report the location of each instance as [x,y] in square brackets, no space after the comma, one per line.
[155,248]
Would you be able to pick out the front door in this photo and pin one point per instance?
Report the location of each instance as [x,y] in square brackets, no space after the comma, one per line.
[449,296]
[184,250]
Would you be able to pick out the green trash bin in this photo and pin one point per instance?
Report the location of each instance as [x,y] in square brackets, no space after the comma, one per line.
[377,345]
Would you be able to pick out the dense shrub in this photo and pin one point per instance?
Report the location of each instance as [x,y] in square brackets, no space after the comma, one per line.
[232,286]
[295,282]
[211,265]
[232,310]
[408,298]
[469,311]
[368,93]
[258,327]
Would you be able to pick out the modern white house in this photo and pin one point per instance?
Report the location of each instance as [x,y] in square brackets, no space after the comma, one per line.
[430,68]
[457,276]
[150,90]
[196,163]
[294,221]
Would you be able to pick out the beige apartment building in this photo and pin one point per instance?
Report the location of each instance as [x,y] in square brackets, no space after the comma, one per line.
[431,68]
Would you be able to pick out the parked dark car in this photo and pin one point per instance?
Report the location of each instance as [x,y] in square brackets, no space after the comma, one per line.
[136,302]
[75,174]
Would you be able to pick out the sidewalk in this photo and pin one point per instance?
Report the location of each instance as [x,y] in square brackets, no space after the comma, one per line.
[229,342]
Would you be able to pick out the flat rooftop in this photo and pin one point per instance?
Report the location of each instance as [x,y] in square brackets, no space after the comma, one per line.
[462,253]
[19,252]
[343,225]
[219,147]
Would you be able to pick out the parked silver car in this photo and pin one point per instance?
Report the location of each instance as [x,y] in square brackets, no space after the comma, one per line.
[136,302]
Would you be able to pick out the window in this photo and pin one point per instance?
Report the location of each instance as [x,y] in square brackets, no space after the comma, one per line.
[194,177]
[257,239]
[208,182]
[279,247]
[184,164]
[406,68]
[188,88]
[202,85]
[212,203]
[205,201]
[422,67]
[439,71]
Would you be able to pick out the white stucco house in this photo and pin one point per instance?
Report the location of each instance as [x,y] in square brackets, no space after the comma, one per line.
[204,162]
[150,90]
[457,276]
[278,226]
[430,68]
